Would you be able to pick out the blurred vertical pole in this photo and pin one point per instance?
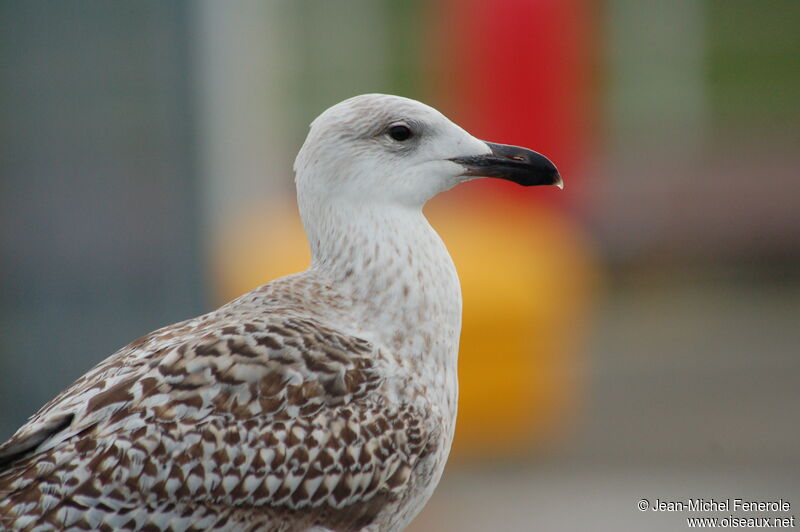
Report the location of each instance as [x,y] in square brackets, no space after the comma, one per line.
[517,72]
[267,70]
[238,63]
[658,87]
[657,116]
[333,64]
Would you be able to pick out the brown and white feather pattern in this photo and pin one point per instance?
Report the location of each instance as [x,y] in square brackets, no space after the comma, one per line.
[322,401]
[229,421]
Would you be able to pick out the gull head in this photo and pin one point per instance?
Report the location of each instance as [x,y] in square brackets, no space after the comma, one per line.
[391,150]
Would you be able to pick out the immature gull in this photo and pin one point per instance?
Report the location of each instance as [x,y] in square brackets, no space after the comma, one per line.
[324,401]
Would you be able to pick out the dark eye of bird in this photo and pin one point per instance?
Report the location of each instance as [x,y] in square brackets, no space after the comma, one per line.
[400,132]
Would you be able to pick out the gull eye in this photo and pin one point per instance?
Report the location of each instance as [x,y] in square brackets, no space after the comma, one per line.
[399,132]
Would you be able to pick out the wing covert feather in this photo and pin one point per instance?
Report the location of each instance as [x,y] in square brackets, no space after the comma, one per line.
[278,414]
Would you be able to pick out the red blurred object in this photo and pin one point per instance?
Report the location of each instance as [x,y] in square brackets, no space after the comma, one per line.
[517,72]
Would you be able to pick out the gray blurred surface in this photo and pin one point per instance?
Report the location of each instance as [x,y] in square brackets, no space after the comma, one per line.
[98,209]
[693,392]
[698,366]
[572,497]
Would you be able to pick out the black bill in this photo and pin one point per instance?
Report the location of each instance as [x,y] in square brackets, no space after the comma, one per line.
[512,163]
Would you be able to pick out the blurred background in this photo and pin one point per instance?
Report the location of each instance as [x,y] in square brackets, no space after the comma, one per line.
[649,313]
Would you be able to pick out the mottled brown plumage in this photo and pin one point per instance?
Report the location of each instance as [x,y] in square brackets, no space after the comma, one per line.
[253,406]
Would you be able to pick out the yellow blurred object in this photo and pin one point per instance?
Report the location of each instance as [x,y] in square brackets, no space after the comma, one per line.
[527,277]
[261,243]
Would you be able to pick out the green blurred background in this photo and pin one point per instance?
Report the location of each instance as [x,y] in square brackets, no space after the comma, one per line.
[141,140]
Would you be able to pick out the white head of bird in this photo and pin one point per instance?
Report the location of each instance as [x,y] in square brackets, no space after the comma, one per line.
[378,151]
